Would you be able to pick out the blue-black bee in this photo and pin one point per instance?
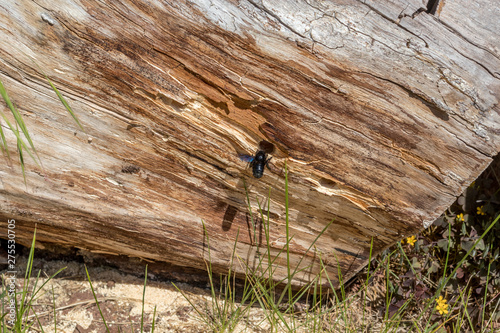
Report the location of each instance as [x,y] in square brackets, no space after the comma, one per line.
[257,162]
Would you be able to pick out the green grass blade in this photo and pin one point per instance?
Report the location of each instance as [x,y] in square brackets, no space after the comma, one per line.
[47,281]
[96,301]
[495,310]
[63,101]
[59,95]
[3,144]
[24,129]
[154,317]
[19,121]
[200,314]
[39,323]
[27,276]
[485,294]
[21,158]
[143,298]
[287,230]
[447,252]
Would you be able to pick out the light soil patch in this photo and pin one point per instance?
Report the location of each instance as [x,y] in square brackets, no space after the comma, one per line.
[120,299]
[69,298]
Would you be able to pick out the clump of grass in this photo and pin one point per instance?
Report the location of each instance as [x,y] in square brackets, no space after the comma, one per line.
[17,306]
[425,284]
[417,291]
[260,285]
[280,304]
[418,280]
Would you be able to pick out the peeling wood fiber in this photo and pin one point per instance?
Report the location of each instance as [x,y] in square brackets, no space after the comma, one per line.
[382,111]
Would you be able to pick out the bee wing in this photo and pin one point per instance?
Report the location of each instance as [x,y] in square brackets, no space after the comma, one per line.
[246,158]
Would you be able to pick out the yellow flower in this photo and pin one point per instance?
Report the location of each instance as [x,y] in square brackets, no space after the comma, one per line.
[411,240]
[441,306]
[480,210]
[460,217]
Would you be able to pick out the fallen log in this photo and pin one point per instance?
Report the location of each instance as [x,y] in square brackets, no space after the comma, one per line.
[382,111]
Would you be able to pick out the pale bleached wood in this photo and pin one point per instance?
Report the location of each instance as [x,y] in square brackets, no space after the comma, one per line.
[383,112]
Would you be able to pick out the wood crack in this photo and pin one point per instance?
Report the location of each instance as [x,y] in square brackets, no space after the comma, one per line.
[276,17]
[385,17]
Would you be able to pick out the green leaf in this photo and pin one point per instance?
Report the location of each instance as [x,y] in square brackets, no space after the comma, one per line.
[467,245]
[416,263]
[434,268]
[443,244]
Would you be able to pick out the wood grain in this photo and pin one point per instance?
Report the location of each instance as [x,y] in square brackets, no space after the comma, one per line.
[382,112]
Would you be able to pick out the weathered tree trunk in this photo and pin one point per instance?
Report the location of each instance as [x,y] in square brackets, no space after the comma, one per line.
[383,111]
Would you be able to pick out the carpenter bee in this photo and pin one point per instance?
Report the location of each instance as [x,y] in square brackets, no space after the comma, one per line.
[257,162]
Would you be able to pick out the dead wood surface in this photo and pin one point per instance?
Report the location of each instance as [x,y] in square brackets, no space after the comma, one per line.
[384,111]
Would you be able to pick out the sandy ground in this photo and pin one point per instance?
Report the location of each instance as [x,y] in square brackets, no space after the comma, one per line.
[119,284]
[120,300]
[119,296]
